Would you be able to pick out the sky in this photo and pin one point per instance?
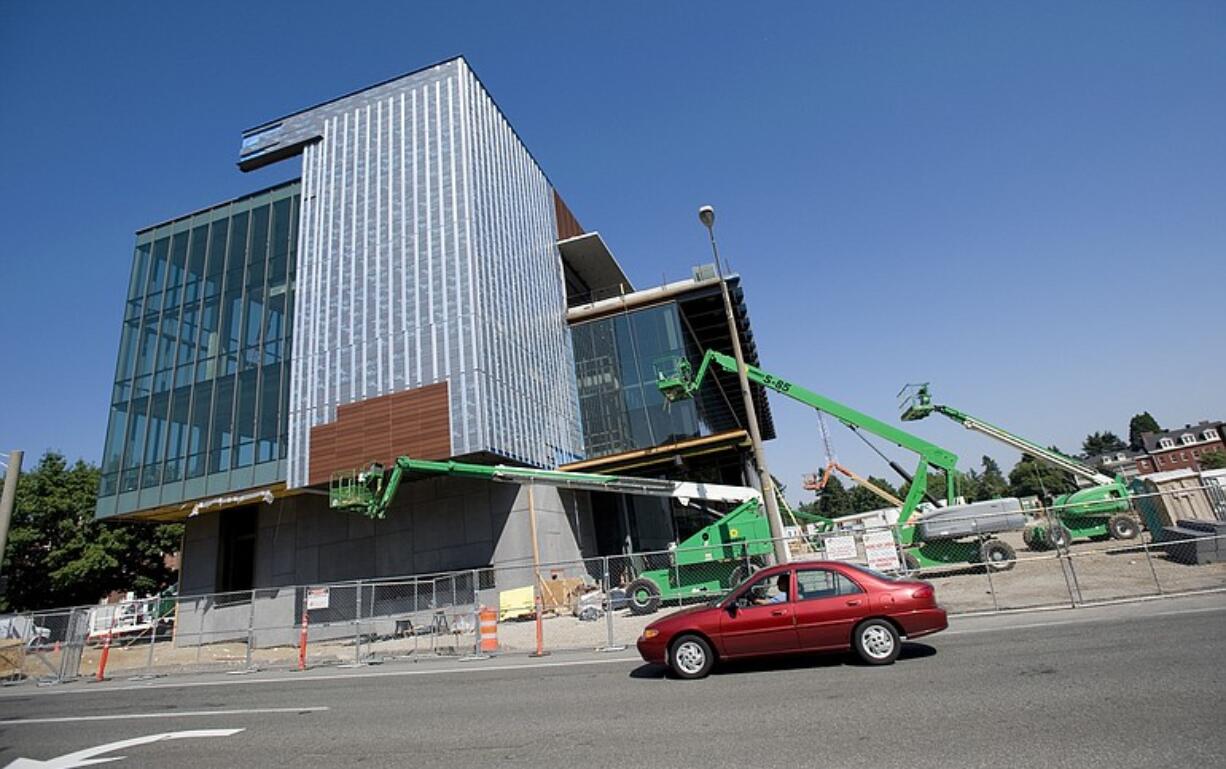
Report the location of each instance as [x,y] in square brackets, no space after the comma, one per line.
[1023,203]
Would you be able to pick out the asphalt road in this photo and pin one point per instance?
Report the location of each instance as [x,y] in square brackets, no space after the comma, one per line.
[1136,685]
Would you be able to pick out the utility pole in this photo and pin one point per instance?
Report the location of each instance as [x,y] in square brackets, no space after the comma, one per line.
[706,215]
[7,498]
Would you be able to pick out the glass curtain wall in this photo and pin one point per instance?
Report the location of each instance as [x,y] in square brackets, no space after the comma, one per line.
[202,379]
[620,406]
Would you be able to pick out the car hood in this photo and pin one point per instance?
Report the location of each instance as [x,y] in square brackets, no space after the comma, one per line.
[686,612]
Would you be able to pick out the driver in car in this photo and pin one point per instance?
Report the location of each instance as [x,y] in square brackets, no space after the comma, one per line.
[781,585]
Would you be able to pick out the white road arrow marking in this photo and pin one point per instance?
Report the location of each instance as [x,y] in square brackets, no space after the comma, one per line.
[87,757]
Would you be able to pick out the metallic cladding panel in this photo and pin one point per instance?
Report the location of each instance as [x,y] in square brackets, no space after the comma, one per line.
[426,255]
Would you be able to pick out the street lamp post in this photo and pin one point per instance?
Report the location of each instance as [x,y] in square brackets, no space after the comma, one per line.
[706,215]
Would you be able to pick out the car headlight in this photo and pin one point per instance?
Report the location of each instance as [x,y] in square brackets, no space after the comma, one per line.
[650,633]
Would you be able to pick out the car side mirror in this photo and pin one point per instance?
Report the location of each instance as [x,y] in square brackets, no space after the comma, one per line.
[732,608]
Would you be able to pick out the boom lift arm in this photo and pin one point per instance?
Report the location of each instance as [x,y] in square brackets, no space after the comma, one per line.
[371,491]
[683,382]
[919,405]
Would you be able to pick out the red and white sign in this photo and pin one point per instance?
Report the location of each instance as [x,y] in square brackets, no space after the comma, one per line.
[880,551]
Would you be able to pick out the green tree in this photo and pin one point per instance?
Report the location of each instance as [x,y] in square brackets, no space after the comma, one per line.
[936,486]
[59,555]
[834,500]
[1100,443]
[862,500]
[1213,460]
[992,483]
[1140,423]
[1032,478]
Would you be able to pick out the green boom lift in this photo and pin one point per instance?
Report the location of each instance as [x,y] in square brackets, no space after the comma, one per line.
[713,559]
[1099,512]
[677,380]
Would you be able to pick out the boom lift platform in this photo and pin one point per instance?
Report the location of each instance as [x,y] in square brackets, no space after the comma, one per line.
[713,559]
[942,537]
[1097,513]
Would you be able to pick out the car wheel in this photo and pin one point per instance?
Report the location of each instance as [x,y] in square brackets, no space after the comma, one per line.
[997,555]
[691,657]
[876,642]
[643,596]
[1123,527]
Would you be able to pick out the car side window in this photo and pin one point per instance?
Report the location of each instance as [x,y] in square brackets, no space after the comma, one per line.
[823,583]
[764,591]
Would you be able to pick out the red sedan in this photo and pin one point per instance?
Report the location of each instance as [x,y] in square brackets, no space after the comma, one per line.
[799,607]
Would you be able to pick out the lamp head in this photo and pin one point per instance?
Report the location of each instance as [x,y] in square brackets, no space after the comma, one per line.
[706,215]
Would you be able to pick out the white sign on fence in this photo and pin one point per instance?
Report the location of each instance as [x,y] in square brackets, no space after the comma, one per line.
[880,551]
[841,548]
[317,598]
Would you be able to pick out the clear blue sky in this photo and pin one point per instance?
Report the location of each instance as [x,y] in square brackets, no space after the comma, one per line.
[1024,203]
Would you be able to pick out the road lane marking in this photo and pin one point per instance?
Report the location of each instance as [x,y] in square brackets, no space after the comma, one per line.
[164,714]
[88,757]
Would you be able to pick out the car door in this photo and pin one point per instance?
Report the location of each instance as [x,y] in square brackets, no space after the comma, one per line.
[748,626]
[828,605]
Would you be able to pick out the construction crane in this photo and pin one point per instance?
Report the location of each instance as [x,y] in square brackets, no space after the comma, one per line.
[1098,512]
[953,534]
[716,557]
[817,481]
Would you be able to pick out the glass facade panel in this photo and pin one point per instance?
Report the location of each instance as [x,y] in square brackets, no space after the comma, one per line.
[200,385]
[620,406]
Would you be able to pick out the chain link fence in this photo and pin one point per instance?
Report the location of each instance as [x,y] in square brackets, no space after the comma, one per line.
[1048,558]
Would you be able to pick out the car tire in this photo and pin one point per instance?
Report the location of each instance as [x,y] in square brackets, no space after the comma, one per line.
[643,596]
[997,555]
[1123,527]
[690,657]
[876,642]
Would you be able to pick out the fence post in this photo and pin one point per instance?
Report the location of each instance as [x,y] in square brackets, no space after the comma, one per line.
[1150,561]
[357,623]
[153,637]
[250,630]
[610,644]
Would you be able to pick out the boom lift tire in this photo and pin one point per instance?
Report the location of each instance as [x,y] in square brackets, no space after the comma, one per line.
[643,596]
[1057,535]
[741,573]
[1123,527]
[997,555]
[910,564]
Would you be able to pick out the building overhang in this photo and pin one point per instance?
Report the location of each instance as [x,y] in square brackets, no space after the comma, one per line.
[638,459]
[589,257]
[181,511]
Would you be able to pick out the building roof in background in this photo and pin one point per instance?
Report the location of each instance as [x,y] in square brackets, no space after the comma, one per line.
[1197,431]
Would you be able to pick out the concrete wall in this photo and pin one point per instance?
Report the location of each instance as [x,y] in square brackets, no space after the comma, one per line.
[435,525]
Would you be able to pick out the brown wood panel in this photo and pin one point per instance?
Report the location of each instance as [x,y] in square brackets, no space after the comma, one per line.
[568,225]
[415,422]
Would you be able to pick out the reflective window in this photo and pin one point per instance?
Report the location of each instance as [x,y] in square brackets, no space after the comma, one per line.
[823,583]
[200,386]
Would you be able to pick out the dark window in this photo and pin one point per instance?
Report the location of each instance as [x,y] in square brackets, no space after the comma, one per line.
[236,550]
